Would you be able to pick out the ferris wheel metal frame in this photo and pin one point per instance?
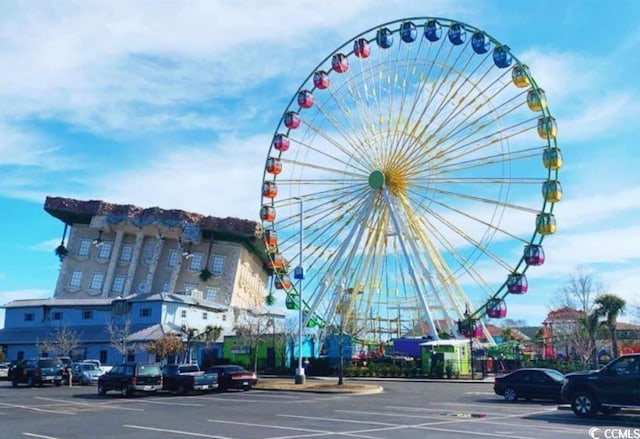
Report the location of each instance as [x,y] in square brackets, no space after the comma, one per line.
[386,190]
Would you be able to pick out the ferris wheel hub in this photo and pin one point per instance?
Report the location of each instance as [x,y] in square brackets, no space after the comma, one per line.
[376,180]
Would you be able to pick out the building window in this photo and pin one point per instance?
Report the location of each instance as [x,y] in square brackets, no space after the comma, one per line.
[217,265]
[96,281]
[204,316]
[195,263]
[28,317]
[189,287]
[57,315]
[87,314]
[147,254]
[118,284]
[173,258]
[224,317]
[20,355]
[104,251]
[103,356]
[84,248]
[212,294]
[76,279]
[131,356]
[165,286]
[145,312]
[126,253]
[183,313]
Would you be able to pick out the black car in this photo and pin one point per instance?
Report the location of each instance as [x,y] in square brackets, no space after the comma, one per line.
[530,383]
[129,378]
[615,386]
[231,376]
[36,372]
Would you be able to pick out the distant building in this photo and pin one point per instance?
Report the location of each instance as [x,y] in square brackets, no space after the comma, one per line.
[156,270]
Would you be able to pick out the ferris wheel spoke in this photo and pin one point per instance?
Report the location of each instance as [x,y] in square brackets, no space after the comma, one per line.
[489,160]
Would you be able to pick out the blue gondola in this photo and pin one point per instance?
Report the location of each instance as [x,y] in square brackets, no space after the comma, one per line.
[432,30]
[457,34]
[384,38]
[502,57]
[408,32]
[480,43]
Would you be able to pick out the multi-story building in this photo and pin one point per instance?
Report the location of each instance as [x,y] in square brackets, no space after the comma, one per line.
[159,271]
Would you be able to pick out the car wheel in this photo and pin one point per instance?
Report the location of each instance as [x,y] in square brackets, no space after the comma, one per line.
[607,411]
[124,391]
[182,390]
[102,390]
[510,394]
[30,381]
[14,383]
[247,388]
[57,383]
[584,405]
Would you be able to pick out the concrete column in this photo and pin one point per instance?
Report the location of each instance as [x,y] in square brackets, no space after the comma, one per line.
[113,260]
[135,258]
[175,274]
[157,251]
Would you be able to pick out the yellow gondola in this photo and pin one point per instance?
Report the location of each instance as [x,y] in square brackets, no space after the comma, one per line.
[536,99]
[519,75]
[547,127]
[546,224]
[552,191]
[552,158]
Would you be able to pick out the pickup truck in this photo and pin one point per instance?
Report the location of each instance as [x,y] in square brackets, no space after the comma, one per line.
[615,386]
[183,378]
[96,363]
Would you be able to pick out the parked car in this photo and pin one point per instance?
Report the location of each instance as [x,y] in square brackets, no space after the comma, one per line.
[529,383]
[37,371]
[129,378]
[607,390]
[85,373]
[231,376]
[183,378]
[97,363]
[4,371]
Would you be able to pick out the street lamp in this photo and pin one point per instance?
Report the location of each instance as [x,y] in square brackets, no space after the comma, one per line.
[467,325]
[298,274]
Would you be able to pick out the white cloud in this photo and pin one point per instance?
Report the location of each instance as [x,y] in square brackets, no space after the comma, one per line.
[46,246]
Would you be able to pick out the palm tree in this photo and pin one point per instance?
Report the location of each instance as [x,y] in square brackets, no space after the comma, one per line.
[590,324]
[609,307]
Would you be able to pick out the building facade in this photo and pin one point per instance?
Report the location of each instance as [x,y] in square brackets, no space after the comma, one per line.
[154,271]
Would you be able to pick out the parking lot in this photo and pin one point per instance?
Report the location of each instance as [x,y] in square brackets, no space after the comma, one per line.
[403,410]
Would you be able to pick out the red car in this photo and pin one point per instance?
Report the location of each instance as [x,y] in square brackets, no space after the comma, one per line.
[231,376]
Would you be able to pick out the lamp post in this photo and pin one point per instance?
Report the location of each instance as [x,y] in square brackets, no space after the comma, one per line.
[299,275]
[469,327]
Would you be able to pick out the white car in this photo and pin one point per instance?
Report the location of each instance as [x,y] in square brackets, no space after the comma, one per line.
[86,373]
[4,370]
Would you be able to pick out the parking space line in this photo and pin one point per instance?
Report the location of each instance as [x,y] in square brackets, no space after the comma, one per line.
[6,404]
[182,432]
[311,433]
[41,436]
[346,421]
[181,404]
[107,405]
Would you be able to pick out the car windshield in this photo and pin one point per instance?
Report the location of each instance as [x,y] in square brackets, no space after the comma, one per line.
[558,376]
[50,363]
[89,367]
[148,370]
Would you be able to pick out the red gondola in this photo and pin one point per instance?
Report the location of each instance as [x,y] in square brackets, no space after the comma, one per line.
[321,79]
[271,237]
[282,282]
[274,165]
[276,262]
[281,142]
[291,120]
[361,48]
[269,189]
[496,308]
[340,63]
[534,254]
[517,283]
[305,99]
[474,331]
[268,213]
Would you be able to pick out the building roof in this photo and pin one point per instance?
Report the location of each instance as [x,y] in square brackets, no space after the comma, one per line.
[71,211]
[152,332]
[58,302]
[563,314]
[93,302]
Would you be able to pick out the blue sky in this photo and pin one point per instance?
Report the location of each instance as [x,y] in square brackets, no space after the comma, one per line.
[174,104]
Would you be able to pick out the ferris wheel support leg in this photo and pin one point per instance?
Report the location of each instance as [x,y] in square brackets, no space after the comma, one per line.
[412,273]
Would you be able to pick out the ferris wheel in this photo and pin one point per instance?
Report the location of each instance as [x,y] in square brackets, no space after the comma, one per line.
[414,168]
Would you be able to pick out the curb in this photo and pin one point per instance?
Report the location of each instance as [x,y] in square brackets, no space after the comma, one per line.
[376,389]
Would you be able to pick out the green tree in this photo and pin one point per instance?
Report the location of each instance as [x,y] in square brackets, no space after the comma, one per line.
[609,307]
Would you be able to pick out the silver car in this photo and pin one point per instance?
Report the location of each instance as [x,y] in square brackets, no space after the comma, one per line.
[4,370]
[85,373]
